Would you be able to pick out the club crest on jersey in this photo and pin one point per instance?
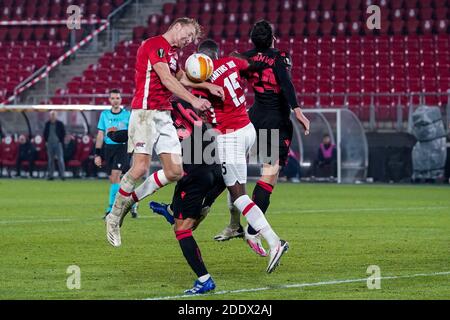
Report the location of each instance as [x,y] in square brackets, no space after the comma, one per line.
[161,52]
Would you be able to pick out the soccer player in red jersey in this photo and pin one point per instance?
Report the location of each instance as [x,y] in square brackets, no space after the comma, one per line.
[236,137]
[157,78]
[275,99]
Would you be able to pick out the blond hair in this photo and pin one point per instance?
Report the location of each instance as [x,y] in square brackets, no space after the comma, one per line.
[188,21]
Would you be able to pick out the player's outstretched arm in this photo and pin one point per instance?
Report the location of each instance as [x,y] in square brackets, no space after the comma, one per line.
[283,75]
[174,86]
[304,121]
[212,88]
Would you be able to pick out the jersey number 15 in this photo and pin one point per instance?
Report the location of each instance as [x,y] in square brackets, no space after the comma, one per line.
[232,84]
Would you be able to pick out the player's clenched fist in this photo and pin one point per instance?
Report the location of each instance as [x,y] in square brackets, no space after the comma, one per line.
[201,104]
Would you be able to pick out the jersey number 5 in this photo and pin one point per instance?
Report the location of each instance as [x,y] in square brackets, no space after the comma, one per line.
[232,84]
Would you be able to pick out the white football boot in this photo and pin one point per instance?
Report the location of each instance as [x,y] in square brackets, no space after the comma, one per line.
[113,230]
[128,205]
[230,233]
[254,242]
[275,255]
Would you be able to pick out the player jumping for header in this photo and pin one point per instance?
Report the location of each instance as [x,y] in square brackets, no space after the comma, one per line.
[158,77]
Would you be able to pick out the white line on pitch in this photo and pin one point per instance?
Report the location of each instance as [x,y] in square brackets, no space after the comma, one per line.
[4,221]
[301,285]
[33,221]
[365,209]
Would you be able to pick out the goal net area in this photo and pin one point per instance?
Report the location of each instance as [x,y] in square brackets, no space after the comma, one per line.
[346,133]
[349,160]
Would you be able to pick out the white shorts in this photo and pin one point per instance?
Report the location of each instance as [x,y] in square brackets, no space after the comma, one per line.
[152,129]
[233,149]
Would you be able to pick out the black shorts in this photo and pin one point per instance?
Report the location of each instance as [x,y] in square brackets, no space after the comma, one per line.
[191,191]
[267,150]
[116,157]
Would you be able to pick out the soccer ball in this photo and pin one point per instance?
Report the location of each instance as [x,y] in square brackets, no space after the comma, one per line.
[199,67]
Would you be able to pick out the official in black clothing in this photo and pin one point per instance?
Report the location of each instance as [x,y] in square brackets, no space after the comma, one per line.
[27,152]
[54,133]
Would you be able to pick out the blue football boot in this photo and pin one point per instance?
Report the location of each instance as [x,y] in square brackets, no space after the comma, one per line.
[201,287]
[162,209]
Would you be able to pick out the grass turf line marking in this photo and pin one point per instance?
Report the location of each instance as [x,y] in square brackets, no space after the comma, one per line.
[301,285]
[5,221]
[34,221]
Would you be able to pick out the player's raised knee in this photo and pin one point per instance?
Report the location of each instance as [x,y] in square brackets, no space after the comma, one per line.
[173,174]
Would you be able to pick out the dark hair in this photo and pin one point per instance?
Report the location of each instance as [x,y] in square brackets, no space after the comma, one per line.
[209,47]
[262,34]
[114,91]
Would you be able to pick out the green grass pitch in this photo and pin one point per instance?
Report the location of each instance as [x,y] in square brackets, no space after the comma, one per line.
[335,233]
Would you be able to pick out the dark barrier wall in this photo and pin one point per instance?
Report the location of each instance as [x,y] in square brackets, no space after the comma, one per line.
[390,156]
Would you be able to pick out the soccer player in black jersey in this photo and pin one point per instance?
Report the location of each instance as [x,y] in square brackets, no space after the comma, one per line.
[275,98]
[195,192]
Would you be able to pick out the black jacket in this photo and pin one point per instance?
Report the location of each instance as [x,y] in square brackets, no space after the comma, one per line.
[60,131]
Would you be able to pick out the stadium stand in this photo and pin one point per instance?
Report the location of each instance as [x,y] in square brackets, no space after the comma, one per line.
[327,40]
[29,41]
[84,147]
[9,153]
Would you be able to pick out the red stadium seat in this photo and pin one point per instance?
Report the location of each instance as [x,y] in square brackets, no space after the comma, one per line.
[354,15]
[441,13]
[355,28]
[233,7]
[105,10]
[247,6]
[340,16]
[397,27]
[412,25]
[10,152]
[230,31]
[92,10]
[426,13]
[312,28]
[14,33]
[30,12]
[40,162]
[341,28]
[5,14]
[354,4]
[169,8]
[326,5]
[83,149]
[427,27]
[411,3]
[442,26]
[55,11]
[340,5]
[207,7]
